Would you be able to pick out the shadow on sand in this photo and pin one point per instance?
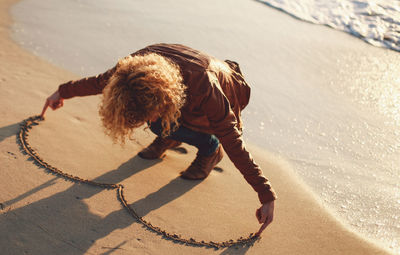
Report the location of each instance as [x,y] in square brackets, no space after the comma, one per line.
[63,224]
[8,131]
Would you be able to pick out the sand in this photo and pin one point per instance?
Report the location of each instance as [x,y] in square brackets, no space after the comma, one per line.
[44,214]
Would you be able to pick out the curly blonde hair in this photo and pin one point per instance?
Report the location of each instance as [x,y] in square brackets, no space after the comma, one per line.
[142,86]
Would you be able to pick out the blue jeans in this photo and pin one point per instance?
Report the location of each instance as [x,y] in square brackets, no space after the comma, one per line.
[206,143]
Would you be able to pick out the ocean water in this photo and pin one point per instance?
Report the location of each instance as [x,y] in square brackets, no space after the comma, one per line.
[335,117]
[375,21]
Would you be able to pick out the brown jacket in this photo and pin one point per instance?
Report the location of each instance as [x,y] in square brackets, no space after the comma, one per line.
[213,104]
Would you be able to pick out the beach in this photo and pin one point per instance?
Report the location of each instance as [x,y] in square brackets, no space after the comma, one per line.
[45,214]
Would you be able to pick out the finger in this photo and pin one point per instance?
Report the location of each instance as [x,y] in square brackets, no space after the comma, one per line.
[46,105]
[262,228]
[267,222]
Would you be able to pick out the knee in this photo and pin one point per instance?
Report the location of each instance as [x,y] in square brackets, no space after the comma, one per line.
[156,128]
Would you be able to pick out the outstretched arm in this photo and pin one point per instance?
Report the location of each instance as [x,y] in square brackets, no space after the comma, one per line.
[87,86]
[224,124]
[84,87]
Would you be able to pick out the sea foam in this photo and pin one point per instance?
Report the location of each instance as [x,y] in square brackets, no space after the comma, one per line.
[375,21]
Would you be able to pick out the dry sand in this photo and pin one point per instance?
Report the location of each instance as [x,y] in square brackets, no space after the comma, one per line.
[44,214]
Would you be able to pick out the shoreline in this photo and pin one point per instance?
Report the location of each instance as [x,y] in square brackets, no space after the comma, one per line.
[322,228]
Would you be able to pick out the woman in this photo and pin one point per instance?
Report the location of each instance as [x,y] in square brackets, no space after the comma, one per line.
[185,96]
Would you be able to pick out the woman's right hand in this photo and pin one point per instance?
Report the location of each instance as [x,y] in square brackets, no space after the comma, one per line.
[55,101]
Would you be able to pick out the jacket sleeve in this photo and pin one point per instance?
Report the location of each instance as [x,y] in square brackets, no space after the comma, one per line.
[224,124]
[87,86]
